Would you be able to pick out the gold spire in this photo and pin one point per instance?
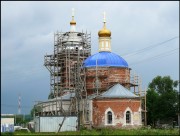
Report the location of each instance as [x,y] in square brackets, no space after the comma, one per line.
[73,22]
[104,32]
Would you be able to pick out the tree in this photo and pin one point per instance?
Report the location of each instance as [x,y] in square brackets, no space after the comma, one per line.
[152,108]
[162,99]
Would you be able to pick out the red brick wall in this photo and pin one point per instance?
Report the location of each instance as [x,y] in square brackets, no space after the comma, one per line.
[107,77]
[118,106]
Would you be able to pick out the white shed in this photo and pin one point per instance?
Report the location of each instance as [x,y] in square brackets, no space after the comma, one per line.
[7,123]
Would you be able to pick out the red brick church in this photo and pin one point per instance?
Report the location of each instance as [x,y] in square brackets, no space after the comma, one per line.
[111,103]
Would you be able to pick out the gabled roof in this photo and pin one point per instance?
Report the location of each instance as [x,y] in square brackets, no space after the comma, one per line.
[118,91]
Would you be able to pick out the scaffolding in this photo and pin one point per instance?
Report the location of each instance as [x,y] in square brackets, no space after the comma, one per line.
[65,65]
[142,94]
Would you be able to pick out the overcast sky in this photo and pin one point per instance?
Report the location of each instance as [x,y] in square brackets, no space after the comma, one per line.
[145,34]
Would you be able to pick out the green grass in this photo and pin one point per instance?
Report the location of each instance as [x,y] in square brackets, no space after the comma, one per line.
[107,131]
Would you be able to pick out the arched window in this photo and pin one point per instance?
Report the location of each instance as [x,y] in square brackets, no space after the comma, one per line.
[109,117]
[128,117]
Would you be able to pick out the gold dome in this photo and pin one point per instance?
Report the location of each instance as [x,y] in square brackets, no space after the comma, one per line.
[73,22]
[104,32]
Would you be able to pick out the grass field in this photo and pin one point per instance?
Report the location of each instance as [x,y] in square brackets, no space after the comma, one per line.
[108,132]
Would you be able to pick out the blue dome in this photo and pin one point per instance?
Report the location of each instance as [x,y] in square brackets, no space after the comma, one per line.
[105,59]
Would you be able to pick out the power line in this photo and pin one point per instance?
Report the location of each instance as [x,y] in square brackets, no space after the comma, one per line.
[149,47]
[158,56]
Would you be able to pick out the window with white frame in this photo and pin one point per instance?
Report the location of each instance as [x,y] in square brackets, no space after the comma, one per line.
[109,117]
[128,117]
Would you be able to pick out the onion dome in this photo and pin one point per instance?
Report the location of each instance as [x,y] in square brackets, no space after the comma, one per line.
[104,32]
[73,22]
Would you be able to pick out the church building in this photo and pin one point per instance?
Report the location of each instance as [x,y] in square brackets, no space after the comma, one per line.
[108,83]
